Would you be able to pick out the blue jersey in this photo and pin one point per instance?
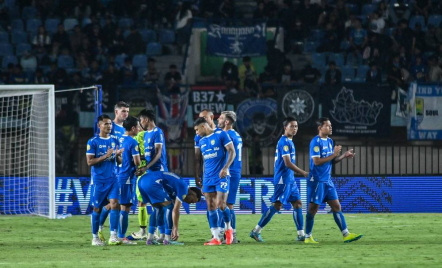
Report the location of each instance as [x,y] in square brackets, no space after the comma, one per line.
[155,136]
[198,138]
[214,153]
[321,148]
[282,174]
[236,166]
[98,146]
[128,167]
[117,130]
[173,185]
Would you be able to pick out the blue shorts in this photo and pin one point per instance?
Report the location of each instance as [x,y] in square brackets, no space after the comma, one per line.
[320,192]
[286,193]
[127,194]
[103,192]
[216,185]
[152,192]
[233,188]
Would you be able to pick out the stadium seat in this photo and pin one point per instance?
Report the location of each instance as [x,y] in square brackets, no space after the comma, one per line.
[19,37]
[17,25]
[390,31]
[51,25]
[368,9]
[319,59]
[9,59]
[4,37]
[416,19]
[139,61]
[167,36]
[85,22]
[29,12]
[316,36]
[310,47]
[154,49]
[353,8]
[148,36]
[353,60]
[6,50]
[10,3]
[126,33]
[22,48]
[140,72]
[119,59]
[358,80]
[125,23]
[362,71]
[344,45]
[434,20]
[65,62]
[348,73]
[69,24]
[70,71]
[338,58]
[32,25]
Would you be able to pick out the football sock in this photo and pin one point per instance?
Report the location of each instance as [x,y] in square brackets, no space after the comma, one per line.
[298,219]
[226,218]
[95,220]
[103,217]
[213,219]
[124,222]
[266,217]
[142,216]
[340,221]
[153,221]
[233,219]
[221,222]
[167,237]
[309,221]
[113,221]
[168,223]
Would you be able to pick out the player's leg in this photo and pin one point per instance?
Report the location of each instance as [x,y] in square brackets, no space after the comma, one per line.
[98,199]
[335,205]
[142,215]
[103,216]
[231,200]
[295,199]
[126,200]
[222,191]
[315,196]
[114,213]
[210,195]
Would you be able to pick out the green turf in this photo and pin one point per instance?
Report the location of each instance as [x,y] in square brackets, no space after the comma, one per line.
[390,240]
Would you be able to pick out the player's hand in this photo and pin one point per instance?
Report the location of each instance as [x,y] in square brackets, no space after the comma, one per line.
[349,154]
[175,235]
[199,182]
[223,173]
[140,171]
[338,150]
[118,152]
[305,174]
[109,152]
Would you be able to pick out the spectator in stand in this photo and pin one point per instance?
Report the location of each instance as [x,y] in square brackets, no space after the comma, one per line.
[374,75]
[395,73]
[39,77]
[438,55]
[134,42]
[226,9]
[333,75]
[270,8]
[18,76]
[42,41]
[422,8]
[172,79]
[111,79]
[358,38]
[341,10]
[116,45]
[419,71]
[61,37]
[309,14]
[324,10]
[128,73]
[377,23]
[4,15]
[28,62]
[95,35]
[403,36]
[82,10]
[310,75]
[267,83]
[151,75]
[434,71]
[230,76]
[432,39]
[384,11]
[300,31]
[404,58]
[399,11]
[95,74]
[331,42]
[419,36]
[183,26]
[287,76]
[260,13]
[108,30]
[248,77]
[77,39]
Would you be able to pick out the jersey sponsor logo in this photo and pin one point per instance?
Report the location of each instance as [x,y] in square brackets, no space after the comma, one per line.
[88,147]
[212,142]
[147,153]
[298,103]
[286,148]
[102,146]
[212,155]
[324,147]
[316,149]
[216,148]
[204,145]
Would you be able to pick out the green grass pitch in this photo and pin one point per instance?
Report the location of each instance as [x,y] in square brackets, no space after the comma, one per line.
[390,240]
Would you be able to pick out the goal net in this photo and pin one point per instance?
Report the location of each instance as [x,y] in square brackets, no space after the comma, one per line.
[27,150]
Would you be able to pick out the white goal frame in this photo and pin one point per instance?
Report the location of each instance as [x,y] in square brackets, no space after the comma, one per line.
[19,90]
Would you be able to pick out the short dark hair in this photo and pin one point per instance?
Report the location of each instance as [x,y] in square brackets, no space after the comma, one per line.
[102,117]
[320,122]
[130,122]
[199,121]
[151,60]
[247,59]
[207,110]
[147,113]
[172,66]
[120,104]
[197,191]
[289,119]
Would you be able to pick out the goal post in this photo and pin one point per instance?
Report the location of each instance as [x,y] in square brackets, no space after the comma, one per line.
[27,150]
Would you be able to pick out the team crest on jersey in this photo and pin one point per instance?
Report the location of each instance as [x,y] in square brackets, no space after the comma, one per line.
[286,148]
[88,147]
[148,140]
[113,144]
[212,142]
[136,148]
[316,149]
[184,196]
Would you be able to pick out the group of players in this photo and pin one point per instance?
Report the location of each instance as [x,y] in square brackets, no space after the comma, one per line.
[129,164]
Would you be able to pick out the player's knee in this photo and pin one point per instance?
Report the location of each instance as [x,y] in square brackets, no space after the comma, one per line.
[230,206]
[313,208]
[297,204]
[277,205]
[222,205]
[97,210]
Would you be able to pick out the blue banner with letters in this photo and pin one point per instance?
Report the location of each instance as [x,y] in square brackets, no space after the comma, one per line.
[425,118]
[234,42]
[357,195]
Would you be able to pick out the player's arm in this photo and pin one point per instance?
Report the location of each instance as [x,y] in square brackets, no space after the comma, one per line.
[348,154]
[198,181]
[92,160]
[137,160]
[288,163]
[176,219]
[158,150]
[232,154]
[319,161]
[119,155]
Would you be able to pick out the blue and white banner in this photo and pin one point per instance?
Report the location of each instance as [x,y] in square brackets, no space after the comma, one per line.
[425,118]
[234,42]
